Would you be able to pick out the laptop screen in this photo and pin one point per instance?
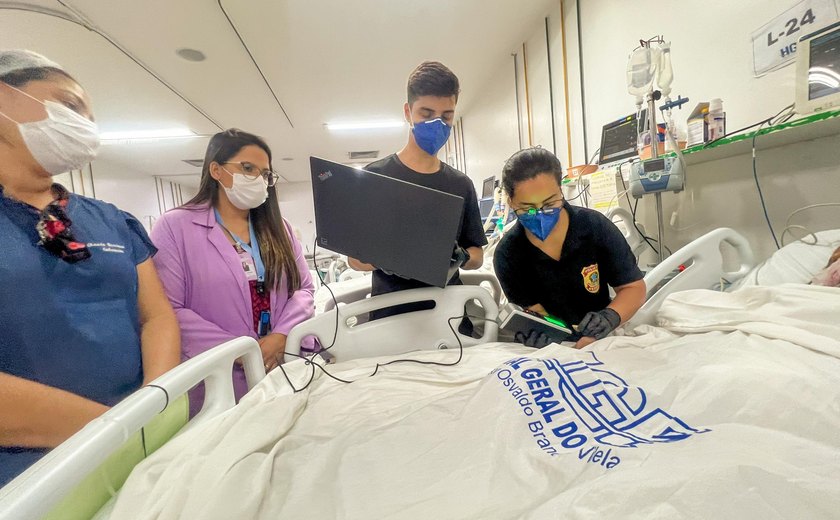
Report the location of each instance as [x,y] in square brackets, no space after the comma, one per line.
[488,186]
[619,139]
[395,225]
[485,206]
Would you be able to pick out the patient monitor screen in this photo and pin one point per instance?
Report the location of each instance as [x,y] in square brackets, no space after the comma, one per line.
[619,140]
[824,69]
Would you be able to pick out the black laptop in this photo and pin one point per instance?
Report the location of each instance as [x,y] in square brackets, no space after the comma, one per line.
[397,226]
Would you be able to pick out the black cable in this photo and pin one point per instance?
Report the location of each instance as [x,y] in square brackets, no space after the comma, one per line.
[310,360]
[584,190]
[323,283]
[760,193]
[324,370]
[436,363]
[736,132]
[772,120]
[304,387]
[635,225]
[657,241]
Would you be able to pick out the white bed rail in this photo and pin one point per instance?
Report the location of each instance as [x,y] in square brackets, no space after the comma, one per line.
[348,291]
[697,265]
[419,330]
[484,277]
[37,490]
[631,234]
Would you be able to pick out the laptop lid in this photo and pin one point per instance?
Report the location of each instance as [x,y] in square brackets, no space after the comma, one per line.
[397,226]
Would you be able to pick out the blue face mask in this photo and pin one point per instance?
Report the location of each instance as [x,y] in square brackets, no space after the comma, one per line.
[540,222]
[431,135]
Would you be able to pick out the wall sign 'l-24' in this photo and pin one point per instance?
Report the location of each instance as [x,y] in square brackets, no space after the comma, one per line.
[774,44]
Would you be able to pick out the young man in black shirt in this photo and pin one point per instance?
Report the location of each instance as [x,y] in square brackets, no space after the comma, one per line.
[432,95]
[560,259]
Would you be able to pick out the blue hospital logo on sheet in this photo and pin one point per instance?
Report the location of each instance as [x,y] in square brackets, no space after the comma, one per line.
[583,407]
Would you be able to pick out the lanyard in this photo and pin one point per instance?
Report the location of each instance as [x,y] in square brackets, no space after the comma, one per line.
[253,249]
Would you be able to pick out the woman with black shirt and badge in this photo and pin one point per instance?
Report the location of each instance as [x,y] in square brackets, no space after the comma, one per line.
[561,259]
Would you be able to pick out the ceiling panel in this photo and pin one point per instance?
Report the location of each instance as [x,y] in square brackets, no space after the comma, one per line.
[327,60]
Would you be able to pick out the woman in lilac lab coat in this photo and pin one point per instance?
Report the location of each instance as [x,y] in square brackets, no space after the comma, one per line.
[229,262]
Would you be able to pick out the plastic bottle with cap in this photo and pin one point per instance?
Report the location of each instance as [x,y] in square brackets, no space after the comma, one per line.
[716,119]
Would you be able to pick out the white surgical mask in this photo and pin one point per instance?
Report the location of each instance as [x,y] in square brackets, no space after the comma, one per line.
[246,193]
[62,142]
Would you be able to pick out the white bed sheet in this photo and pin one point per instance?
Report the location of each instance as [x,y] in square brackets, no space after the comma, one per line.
[736,398]
[796,262]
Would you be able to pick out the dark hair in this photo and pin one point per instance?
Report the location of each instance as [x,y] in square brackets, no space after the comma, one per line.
[528,163]
[432,78]
[19,78]
[275,244]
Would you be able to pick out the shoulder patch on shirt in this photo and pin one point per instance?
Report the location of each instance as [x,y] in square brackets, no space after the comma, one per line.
[591,278]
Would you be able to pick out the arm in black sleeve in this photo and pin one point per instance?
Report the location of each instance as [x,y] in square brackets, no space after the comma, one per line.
[472,231]
[514,284]
[619,265]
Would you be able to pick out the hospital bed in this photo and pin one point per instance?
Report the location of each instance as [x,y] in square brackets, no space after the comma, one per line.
[41,488]
[357,287]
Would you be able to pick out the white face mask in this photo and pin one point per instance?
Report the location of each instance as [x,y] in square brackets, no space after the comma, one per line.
[246,193]
[62,142]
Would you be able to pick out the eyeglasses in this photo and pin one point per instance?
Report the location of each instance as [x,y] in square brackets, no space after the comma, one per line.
[252,171]
[546,208]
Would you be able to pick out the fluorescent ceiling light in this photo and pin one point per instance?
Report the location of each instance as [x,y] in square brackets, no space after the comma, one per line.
[162,133]
[368,125]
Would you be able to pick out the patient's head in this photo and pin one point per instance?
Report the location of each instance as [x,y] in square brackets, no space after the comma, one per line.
[835,256]
[830,276]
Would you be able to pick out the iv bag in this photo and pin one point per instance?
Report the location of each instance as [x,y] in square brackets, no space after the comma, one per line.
[666,72]
[641,72]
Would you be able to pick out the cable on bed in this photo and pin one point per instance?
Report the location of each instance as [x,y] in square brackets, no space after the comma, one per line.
[310,360]
[437,363]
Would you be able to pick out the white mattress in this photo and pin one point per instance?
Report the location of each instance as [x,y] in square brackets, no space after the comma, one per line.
[797,262]
[729,410]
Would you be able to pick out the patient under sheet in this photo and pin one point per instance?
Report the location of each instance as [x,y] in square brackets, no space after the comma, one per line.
[730,408]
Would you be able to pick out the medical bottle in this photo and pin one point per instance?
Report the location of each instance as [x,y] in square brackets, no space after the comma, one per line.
[716,120]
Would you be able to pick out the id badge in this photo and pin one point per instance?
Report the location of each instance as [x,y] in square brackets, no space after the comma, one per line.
[248,266]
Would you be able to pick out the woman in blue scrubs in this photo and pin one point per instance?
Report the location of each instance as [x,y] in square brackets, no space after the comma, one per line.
[83,317]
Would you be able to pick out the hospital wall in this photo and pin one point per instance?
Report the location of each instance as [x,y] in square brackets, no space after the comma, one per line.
[514,110]
[298,207]
[712,57]
[142,195]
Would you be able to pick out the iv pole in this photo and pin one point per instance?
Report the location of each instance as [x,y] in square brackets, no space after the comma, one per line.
[654,153]
[646,74]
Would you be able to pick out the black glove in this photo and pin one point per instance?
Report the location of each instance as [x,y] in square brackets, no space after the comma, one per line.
[599,324]
[460,256]
[535,339]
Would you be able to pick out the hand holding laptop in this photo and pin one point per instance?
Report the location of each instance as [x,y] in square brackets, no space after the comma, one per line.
[460,256]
